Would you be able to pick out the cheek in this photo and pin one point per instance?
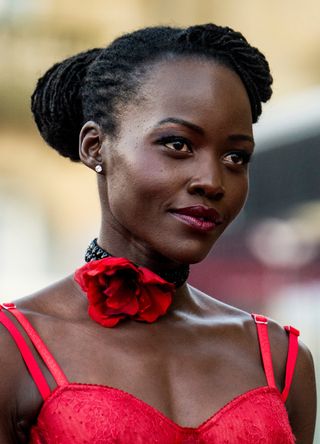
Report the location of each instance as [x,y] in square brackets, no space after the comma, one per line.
[136,186]
[238,196]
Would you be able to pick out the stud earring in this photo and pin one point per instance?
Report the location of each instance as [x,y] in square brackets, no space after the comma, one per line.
[98,168]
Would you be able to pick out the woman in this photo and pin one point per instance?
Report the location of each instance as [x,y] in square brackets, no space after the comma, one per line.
[136,355]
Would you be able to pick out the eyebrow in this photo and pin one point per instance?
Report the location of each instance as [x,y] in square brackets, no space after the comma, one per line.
[199,130]
[183,122]
[241,137]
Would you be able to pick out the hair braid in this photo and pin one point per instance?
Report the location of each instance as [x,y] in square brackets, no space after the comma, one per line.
[95,84]
[57,105]
[232,49]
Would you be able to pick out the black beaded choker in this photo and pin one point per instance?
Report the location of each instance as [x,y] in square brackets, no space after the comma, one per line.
[176,277]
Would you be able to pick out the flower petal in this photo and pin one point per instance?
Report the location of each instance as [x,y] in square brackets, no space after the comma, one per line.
[118,289]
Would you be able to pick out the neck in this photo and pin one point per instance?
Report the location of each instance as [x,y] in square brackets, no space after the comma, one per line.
[122,244]
[176,276]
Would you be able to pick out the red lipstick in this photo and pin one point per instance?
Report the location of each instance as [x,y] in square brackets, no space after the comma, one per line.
[198,217]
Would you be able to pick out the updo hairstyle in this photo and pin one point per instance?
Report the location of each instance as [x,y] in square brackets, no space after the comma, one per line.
[93,85]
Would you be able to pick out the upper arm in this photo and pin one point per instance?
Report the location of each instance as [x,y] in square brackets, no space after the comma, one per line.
[6,429]
[11,374]
[301,401]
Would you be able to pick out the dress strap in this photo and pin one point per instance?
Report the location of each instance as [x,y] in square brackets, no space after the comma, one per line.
[262,329]
[38,343]
[27,356]
[293,348]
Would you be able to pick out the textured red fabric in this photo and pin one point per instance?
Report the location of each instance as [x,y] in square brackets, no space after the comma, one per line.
[83,413]
[103,415]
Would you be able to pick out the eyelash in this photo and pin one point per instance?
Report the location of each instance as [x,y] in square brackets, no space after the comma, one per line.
[246,157]
[243,154]
[175,139]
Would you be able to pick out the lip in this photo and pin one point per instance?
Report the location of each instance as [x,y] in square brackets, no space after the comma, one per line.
[198,217]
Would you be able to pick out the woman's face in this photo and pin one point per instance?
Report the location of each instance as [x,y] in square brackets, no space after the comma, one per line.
[176,175]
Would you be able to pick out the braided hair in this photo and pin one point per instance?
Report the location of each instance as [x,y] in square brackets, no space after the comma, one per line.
[93,85]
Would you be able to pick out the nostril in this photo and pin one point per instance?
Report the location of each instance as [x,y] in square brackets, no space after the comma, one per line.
[200,191]
[218,196]
[211,194]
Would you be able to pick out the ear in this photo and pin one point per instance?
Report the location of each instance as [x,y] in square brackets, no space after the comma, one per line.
[90,144]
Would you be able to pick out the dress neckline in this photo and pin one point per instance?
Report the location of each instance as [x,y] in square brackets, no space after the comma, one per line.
[153,410]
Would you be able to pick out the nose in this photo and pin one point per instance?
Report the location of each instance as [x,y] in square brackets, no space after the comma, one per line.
[208,180]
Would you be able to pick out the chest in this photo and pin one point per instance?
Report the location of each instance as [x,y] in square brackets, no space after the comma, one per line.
[91,414]
[182,385]
[185,376]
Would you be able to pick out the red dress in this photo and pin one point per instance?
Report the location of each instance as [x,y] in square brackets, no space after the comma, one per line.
[83,413]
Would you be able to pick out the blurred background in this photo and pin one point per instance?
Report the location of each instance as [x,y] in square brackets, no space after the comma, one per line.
[269,260]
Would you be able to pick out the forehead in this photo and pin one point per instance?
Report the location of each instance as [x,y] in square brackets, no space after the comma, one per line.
[191,87]
[203,92]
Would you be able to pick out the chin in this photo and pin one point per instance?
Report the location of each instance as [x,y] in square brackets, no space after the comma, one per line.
[194,258]
[188,255]
[190,249]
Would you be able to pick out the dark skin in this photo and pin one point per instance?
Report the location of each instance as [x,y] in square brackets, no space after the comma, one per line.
[202,353]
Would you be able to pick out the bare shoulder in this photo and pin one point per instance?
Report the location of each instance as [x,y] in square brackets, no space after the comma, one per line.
[61,299]
[213,309]
[232,323]
[217,309]
[11,373]
[48,310]
[44,303]
[278,336]
[301,402]
[54,311]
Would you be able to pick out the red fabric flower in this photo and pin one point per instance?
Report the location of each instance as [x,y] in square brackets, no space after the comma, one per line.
[118,289]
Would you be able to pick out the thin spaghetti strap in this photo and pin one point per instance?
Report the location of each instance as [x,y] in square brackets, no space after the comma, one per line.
[262,329]
[27,356]
[40,346]
[293,348]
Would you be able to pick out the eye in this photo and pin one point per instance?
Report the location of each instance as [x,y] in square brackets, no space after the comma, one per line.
[179,144]
[241,157]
